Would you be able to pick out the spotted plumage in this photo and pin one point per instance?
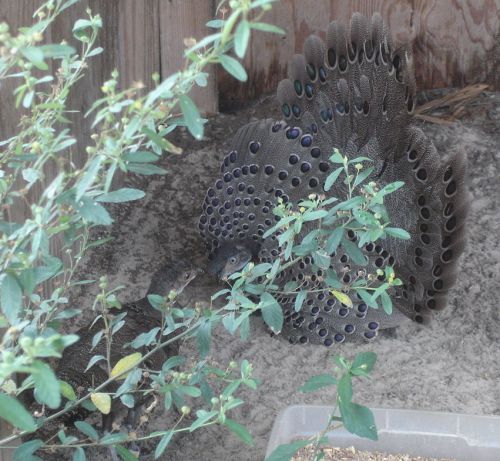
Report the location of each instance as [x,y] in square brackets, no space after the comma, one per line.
[356,92]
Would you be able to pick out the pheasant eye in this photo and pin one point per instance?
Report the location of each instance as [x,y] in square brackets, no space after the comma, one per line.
[232,260]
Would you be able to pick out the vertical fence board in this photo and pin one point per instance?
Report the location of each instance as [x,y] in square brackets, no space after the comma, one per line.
[181,19]
[15,17]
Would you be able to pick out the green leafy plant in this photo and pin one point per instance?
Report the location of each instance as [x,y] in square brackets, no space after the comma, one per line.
[356,418]
[333,222]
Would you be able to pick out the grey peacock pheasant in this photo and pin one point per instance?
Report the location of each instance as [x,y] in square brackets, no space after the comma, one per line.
[141,318]
[357,94]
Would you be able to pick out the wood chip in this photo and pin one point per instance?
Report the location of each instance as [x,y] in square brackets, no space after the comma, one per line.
[453,104]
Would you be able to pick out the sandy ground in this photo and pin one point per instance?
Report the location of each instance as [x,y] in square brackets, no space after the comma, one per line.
[452,365]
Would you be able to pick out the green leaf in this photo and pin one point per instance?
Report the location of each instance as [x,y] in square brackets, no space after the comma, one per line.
[342,297]
[332,280]
[234,67]
[80,28]
[314,215]
[128,400]
[162,444]
[34,54]
[215,23]
[145,339]
[344,389]
[140,157]
[203,43]
[27,279]
[239,430]
[367,298]
[79,454]
[386,302]
[398,233]
[245,328]
[192,117]
[271,312]
[260,269]
[125,454]
[96,338]
[93,212]
[321,259]
[67,390]
[145,169]
[317,382]
[110,439]
[67,4]
[88,177]
[192,391]
[286,451]
[202,417]
[172,362]
[156,301]
[354,252]
[88,405]
[47,386]
[54,50]
[13,412]
[28,99]
[129,383]
[11,298]
[95,52]
[379,291]
[362,176]
[203,336]
[52,268]
[332,177]
[299,300]
[334,240]
[264,27]
[25,451]
[241,37]
[358,420]
[87,429]
[125,194]
[155,137]
[336,157]
[94,360]
[364,361]
[201,79]
[379,196]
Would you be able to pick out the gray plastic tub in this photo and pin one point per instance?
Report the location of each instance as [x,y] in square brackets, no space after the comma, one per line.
[413,432]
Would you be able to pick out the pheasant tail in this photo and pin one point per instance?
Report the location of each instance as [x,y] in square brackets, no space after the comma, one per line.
[355,93]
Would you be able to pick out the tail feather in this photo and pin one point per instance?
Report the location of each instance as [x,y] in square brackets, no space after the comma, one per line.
[356,92]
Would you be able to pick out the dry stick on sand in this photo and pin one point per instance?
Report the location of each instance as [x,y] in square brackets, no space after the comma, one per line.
[454,103]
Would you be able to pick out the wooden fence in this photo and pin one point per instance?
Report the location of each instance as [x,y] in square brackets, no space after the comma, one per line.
[455,42]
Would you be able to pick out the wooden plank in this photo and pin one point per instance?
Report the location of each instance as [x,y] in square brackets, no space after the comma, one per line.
[181,19]
[139,41]
[12,14]
[455,42]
